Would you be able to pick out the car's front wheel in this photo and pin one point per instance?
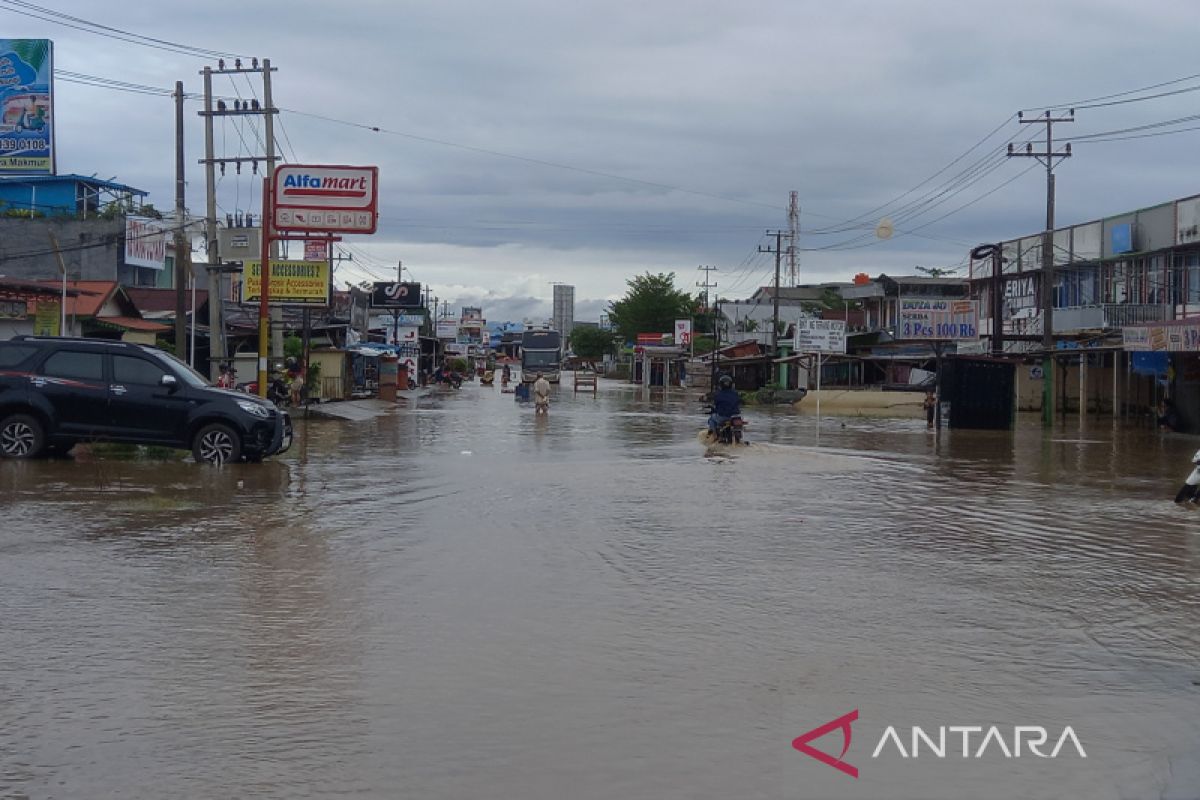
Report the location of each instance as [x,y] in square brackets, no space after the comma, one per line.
[216,443]
[21,436]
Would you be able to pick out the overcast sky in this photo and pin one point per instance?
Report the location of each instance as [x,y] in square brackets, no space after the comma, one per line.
[529,142]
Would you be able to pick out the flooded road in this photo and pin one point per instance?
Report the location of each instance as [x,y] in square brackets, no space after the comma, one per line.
[461,600]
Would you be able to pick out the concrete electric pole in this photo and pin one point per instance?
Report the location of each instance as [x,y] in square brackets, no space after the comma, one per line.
[1049,158]
[241,108]
[775,294]
[183,244]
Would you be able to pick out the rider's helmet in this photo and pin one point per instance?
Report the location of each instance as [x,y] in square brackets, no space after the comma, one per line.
[725,382]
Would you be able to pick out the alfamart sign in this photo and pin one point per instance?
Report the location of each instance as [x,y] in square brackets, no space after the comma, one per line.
[325,199]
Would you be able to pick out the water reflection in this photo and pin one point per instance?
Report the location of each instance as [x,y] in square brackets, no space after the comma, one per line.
[462,599]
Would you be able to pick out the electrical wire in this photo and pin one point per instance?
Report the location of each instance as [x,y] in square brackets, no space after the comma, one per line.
[1117,131]
[526,159]
[1144,135]
[1097,102]
[59,18]
[869,214]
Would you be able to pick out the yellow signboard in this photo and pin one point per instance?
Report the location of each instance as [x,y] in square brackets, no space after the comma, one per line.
[304,283]
[46,320]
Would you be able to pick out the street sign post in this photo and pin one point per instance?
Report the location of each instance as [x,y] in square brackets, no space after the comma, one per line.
[820,336]
[297,198]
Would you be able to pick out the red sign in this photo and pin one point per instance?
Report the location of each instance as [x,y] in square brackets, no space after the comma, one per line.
[651,339]
[316,250]
[329,199]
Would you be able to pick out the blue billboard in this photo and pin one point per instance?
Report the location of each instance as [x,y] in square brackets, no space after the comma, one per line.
[26,106]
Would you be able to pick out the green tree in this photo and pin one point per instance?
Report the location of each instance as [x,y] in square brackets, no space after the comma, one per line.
[703,344]
[591,344]
[293,347]
[651,305]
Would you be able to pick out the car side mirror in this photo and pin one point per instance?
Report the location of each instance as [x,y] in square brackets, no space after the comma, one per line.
[169,382]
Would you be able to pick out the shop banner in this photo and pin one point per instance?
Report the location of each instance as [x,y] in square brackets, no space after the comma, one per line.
[14,309]
[385,294]
[301,283]
[1167,338]
[683,332]
[26,106]
[46,320]
[938,319]
[145,243]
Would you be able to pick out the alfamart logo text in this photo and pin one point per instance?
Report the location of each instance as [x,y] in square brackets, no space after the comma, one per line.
[946,741]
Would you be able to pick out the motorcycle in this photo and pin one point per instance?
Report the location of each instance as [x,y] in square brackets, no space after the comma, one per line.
[278,391]
[1190,491]
[729,431]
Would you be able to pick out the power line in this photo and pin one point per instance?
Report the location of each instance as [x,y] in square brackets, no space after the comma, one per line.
[59,18]
[1143,135]
[526,159]
[1134,129]
[1098,100]
[967,152]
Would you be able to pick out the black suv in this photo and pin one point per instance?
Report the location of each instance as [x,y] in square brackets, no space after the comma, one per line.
[55,392]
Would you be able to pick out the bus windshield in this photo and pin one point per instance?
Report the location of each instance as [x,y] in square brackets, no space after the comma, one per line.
[539,358]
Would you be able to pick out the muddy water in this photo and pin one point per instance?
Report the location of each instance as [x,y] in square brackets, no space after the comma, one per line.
[461,600]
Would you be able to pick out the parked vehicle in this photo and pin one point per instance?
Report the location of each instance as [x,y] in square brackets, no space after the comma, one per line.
[55,392]
[541,351]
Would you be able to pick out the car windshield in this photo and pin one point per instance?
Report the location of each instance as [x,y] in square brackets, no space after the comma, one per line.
[181,369]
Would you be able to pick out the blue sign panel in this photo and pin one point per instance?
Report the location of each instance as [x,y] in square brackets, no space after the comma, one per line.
[26,106]
[1122,238]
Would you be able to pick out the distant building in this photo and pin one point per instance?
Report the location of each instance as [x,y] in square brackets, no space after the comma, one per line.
[564,309]
[88,226]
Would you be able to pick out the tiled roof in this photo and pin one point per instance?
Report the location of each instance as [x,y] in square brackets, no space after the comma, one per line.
[134,324]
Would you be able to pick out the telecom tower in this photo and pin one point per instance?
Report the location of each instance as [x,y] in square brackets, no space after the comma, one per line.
[793,235]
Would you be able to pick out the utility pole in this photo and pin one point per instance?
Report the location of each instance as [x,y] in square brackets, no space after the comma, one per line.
[217,346]
[794,233]
[708,308]
[707,284]
[1049,158]
[269,133]
[216,321]
[182,244]
[775,295]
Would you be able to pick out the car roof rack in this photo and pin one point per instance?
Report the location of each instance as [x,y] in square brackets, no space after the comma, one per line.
[29,337]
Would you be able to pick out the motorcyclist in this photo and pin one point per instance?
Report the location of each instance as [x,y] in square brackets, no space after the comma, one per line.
[726,404]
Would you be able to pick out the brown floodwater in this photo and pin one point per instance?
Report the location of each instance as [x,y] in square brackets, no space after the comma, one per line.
[461,600]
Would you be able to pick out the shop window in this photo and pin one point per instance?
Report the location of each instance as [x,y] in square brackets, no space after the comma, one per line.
[1191,264]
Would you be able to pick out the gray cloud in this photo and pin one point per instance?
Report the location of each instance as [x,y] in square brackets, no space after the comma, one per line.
[851,104]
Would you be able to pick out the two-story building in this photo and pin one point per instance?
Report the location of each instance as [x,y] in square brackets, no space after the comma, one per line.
[1130,270]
